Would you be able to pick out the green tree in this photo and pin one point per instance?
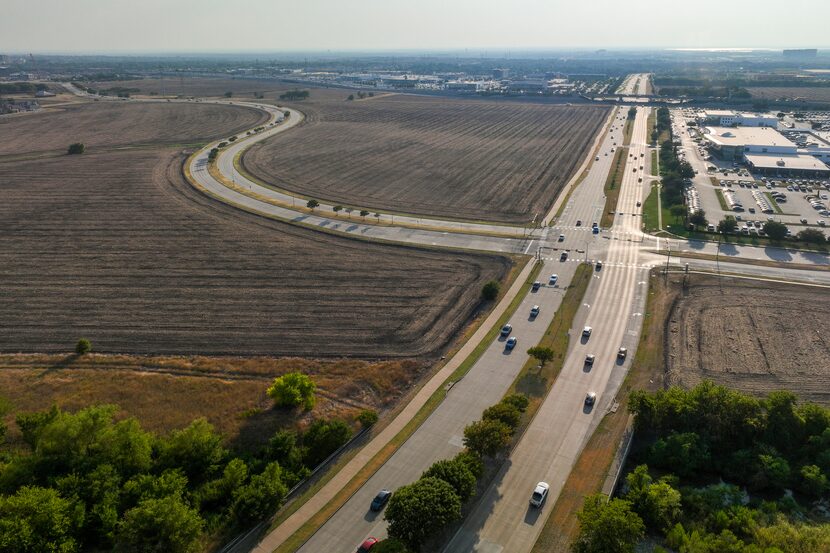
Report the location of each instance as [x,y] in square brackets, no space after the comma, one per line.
[679,212]
[472,460]
[324,438]
[487,437]
[364,213]
[775,230]
[217,494]
[519,401]
[311,204]
[811,236]
[773,472]
[607,527]
[350,97]
[813,481]
[337,208]
[83,346]
[293,389]
[36,520]
[727,225]
[367,417]
[5,407]
[657,503]
[261,496]
[76,148]
[491,289]
[457,474]
[32,424]
[212,154]
[503,412]
[541,354]
[698,218]
[196,449]
[421,510]
[165,524]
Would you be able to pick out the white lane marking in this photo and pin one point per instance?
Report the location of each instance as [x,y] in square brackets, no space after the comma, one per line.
[528,246]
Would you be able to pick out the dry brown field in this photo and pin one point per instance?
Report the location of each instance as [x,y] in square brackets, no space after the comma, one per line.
[157,267]
[165,393]
[753,337]
[116,247]
[469,159]
[812,94]
[112,124]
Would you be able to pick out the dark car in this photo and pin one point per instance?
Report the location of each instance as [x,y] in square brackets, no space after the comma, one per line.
[536,286]
[511,343]
[380,500]
[506,330]
[564,256]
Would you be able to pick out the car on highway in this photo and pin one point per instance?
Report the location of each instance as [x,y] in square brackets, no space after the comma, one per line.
[536,285]
[506,329]
[589,359]
[622,353]
[534,311]
[586,332]
[590,398]
[595,230]
[510,343]
[540,493]
[579,222]
[561,238]
[380,500]
[553,279]
[564,256]
[639,204]
[367,545]
[599,265]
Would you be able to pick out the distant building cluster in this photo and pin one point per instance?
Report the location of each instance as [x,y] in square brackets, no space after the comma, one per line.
[18,106]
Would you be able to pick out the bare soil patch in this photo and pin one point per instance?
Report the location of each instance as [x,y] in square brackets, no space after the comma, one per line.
[469,159]
[752,337]
[204,87]
[117,248]
[165,393]
[108,124]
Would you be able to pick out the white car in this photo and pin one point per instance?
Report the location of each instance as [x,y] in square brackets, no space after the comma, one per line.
[540,492]
[586,332]
[622,353]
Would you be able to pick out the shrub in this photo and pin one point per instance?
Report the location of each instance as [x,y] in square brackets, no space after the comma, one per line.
[83,346]
[490,291]
[367,417]
[293,389]
[76,148]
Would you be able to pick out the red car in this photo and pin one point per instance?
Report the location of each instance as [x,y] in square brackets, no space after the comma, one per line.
[367,545]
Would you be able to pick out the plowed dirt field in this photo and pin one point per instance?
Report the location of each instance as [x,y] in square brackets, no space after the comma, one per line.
[468,159]
[113,124]
[752,337]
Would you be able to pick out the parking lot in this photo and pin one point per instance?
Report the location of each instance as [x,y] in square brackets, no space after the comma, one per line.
[752,199]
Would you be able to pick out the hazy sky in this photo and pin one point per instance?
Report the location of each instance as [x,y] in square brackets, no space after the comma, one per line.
[274,25]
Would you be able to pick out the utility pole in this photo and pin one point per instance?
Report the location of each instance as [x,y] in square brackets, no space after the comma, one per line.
[668,246]
[717,263]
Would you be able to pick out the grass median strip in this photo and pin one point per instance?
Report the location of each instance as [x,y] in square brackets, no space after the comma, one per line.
[612,187]
[312,525]
[534,380]
[722,201]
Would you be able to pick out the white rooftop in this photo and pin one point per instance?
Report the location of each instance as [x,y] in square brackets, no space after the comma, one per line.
[718,113]
[746,136]
[773,161]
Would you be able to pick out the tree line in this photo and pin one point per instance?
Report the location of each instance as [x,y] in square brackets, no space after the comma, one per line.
[719,471]
[91,480]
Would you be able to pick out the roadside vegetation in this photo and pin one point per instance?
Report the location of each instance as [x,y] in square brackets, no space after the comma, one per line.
[613,183]
[94,480]
[716,471]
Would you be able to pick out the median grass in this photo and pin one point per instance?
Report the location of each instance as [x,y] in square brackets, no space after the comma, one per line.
[314,523]
[627,131]
[535,380]
[722,201]
[612,187]
[773,203]
[655,167]
[651,122]
[651,208]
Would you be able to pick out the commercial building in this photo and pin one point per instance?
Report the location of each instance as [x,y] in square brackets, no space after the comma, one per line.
[767,151]
[729,118]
